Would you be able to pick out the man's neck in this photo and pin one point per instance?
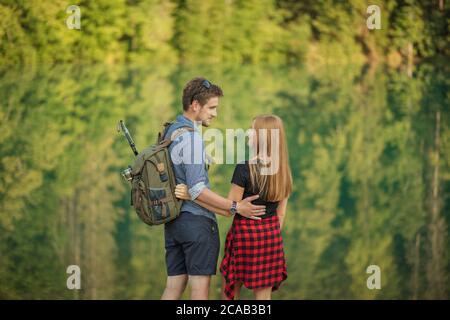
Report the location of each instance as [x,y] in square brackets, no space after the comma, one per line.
[189,116]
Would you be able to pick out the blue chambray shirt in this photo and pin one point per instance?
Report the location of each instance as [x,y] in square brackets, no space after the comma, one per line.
[187,152]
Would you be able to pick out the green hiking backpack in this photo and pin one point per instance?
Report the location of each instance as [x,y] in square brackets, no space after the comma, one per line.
[153,181]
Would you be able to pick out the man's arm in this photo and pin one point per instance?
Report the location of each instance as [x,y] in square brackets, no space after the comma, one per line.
[244,207]
[213,209]
[235,194]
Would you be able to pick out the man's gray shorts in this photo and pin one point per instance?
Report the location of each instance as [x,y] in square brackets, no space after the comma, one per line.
[192,245]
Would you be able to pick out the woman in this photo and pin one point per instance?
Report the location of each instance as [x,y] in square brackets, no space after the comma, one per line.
[254,255]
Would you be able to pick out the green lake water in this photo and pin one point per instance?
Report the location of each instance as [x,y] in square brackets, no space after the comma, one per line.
[368,149]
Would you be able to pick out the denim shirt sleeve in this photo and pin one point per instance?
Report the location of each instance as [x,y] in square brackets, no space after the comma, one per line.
[189,153]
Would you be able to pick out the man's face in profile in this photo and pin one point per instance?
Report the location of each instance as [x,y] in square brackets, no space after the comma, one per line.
[208,112]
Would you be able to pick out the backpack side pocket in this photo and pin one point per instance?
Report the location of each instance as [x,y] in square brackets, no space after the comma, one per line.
[160,203]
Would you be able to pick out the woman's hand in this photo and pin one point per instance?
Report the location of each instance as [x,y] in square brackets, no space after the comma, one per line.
[181,192]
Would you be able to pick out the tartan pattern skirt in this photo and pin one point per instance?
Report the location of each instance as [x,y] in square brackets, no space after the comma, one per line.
[254,255]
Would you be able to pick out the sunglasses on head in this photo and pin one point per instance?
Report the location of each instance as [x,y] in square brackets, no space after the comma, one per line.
[206,84]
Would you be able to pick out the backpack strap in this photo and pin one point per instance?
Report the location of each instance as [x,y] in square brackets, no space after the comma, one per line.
[175,134]
[178,132]
[162,134]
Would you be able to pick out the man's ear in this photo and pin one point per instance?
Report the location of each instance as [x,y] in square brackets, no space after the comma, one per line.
[195,106]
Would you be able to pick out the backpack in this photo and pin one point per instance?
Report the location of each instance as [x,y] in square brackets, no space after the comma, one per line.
[153,181]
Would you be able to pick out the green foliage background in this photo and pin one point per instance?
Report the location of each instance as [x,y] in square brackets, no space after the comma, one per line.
[248,31]
[366,114]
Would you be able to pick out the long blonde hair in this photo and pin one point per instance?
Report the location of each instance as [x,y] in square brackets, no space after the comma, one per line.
[277,186]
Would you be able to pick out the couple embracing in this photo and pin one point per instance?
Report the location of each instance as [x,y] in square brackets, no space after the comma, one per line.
[253,254]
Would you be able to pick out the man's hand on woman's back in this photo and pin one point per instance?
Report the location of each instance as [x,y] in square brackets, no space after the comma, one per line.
[246,209]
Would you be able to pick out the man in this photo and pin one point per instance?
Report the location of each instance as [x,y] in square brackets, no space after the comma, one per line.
[192,240]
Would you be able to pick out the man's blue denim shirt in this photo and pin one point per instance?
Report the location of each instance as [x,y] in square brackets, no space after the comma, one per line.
[187,152]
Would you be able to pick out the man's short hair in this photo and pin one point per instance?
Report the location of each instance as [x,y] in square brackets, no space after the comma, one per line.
[201,90]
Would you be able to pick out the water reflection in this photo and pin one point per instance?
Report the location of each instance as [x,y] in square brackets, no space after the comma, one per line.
[368,150]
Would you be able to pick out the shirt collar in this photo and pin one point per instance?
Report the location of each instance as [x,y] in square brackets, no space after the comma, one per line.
[182,119]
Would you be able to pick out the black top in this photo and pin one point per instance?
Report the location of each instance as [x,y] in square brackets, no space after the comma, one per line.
[241,177]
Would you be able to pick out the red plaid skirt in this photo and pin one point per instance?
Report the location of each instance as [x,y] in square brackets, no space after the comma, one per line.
[253,255]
